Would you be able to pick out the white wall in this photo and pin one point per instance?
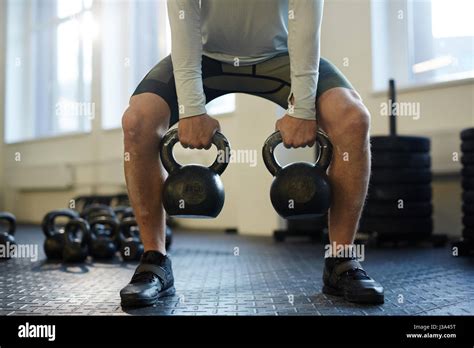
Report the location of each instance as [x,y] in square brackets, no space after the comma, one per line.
[444,110]
[346,33]
[2,98]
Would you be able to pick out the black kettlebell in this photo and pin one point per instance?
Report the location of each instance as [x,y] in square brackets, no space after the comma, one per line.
[54,243]
[7,237]
[193,191]
[103,237]
[301,189]
[131,247]
[123,212]
[95,210]
[75,237]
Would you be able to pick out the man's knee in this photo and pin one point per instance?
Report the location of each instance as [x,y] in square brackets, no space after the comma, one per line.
[357,119]
[351,121]
[132,124]
[142,121]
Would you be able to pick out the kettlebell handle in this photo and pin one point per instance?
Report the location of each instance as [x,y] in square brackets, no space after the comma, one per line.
[323,159]
[171,138]
[110,221]
[48,224]
[71,228]
[10,220]
[125,226]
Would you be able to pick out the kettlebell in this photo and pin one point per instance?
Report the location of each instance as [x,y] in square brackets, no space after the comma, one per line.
[7,237]
[97,209]
[193,191]
[122,212]
[103,237]
[54,243]
[75,240]
[131,247]
[299,190]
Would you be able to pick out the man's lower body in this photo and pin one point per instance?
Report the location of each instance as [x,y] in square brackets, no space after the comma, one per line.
[341,114]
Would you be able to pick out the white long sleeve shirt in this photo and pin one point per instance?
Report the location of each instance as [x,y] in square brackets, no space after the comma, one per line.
[245,32]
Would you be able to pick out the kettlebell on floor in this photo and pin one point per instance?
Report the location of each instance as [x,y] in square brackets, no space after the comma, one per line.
[300,190]
[95,210]
[131,247]
[7,237]
[54,232]
[75,241]
[103,237]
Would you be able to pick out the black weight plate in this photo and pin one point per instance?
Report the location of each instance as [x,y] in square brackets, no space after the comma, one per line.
[397,225]
[467,146]
[409,193]
[400,160]
[468,184]
[468,209]
[400,144]
[467,171]
[467,134]
[468,221]
[392,209]
[468,197]
[401,176]
[467,159]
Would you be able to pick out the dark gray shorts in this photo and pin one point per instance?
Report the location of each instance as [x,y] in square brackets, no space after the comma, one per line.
[269,79]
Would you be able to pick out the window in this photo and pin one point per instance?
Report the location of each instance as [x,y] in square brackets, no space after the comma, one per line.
[48,68]
[135,36]
[421,42]
[51,68]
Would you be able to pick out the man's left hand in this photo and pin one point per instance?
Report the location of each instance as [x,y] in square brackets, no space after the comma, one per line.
[297,132]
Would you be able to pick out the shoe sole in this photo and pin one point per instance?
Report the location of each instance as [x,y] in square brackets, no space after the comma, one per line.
[136,302]
[365,299]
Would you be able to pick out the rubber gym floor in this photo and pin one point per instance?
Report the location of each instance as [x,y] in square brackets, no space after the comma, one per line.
[224,274]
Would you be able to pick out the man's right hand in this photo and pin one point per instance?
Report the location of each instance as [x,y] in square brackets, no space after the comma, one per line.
[196,132]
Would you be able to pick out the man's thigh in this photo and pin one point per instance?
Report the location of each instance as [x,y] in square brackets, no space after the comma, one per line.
[269,79]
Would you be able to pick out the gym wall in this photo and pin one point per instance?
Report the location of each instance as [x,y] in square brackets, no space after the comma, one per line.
[2,99]
[91,163]
[348,23]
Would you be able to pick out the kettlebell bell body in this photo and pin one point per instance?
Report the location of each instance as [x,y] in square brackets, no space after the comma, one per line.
[54,242]
[131,247]
[75,241]
[193,191]
[103,237]
[7,237]
[300,190]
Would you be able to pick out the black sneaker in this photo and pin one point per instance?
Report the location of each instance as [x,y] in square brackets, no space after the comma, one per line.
[153,279]
[345,277]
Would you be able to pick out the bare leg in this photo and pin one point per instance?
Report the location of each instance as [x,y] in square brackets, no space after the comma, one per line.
[347,121]
[144,123]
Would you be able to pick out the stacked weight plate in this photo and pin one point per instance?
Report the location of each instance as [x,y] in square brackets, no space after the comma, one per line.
[399,201]
[467,160]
